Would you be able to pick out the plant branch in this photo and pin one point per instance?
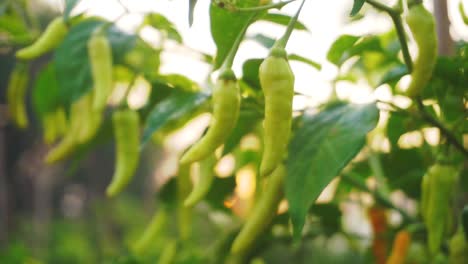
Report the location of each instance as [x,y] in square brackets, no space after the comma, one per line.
[232,53]
[260,8]
[424,115]
[396,18]
[379,197]
[382,7]
[445,131]
[123,103]
[123,6]
[281,43]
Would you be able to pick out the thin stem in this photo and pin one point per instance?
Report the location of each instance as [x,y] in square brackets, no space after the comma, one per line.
[402,38]
[281,43]
[101,29]
[123,103]
[376,167]
[232,53]
[120,16]
[452,139]
[123,6]
[261,8]
[396,18]
[382,7]
[379,197]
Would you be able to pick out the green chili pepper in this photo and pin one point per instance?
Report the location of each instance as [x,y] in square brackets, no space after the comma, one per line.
[442,182]
[16,95]
[100,59]
[50,39]
[277,81]
[226,103]
[262,214]
[204,183]
[126,128]
[422,25]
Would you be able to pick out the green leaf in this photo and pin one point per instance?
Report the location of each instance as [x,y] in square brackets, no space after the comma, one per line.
[13,24]
[340,47]
[320,149]
[282,20]
[330,217]
[161,23]
[398,125]
[226,26]
[144,59]
[346,47]
[13,29]
[220,190]
[357,5]
[250,72]
[72,62]
[312,63]
[173,107]
[247,121]
[411,167]
[180,82]
[46,91]
[394,75]
[69,5]
[160,90]
[167,194]
[263,40]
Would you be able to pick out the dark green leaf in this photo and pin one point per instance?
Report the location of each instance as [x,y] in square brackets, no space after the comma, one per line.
[408,174]
[357,5]
[305,60]
[173,107]
[143,59]
[347,46]
[167,194]
[14,30]
[394,75]
[220,190]
[396,127]
[263,40]
[366,44]
[359,173]
[46,91]
[69,5]
[159,91]
[330,217]
[72,62]
[399,124]
[248,119]
[161,23]
[250,72]
[319,150]
[13,24]
[282,20]
[340,47]
[180,82]
[226,26]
